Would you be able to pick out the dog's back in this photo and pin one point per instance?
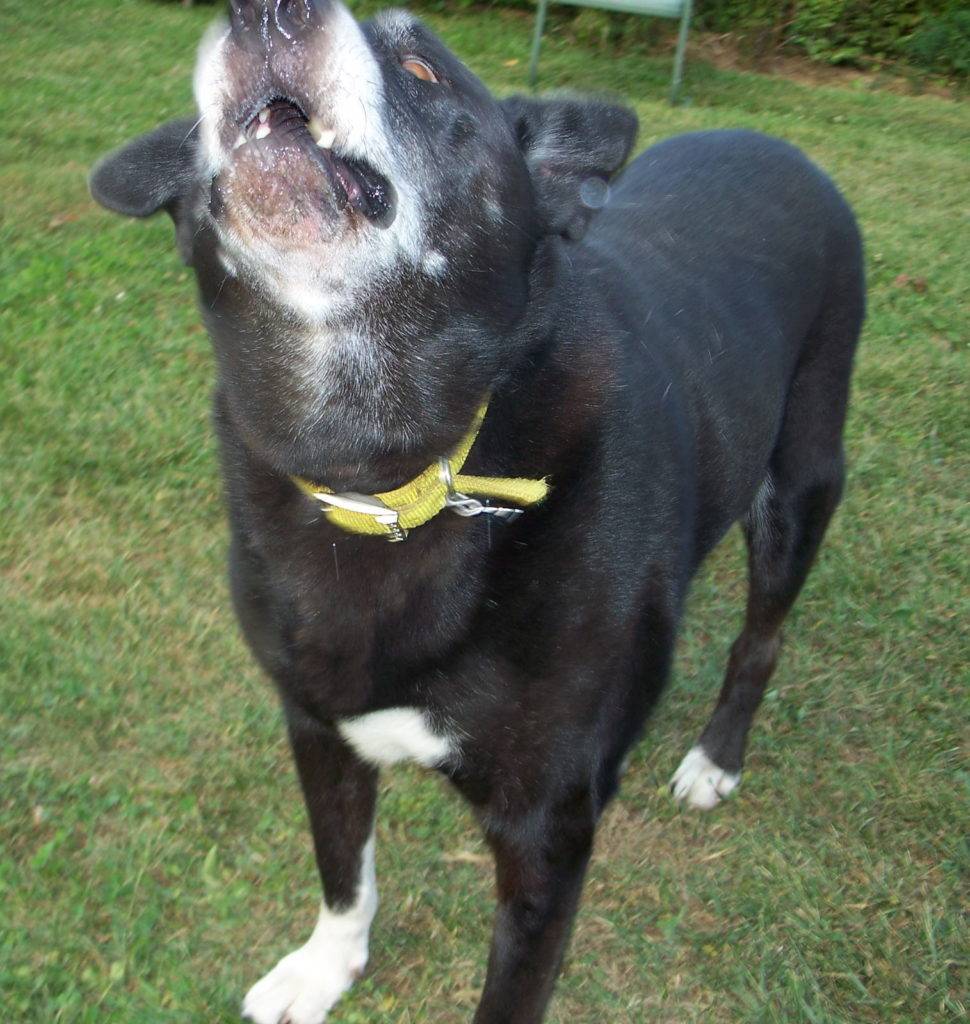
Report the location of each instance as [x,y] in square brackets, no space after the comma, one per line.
[734,266]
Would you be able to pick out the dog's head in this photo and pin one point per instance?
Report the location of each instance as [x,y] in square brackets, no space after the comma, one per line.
[363,216]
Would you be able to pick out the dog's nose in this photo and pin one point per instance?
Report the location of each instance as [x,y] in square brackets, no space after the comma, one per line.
[287,18]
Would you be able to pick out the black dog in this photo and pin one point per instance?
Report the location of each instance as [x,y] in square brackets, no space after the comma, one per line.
[399,271]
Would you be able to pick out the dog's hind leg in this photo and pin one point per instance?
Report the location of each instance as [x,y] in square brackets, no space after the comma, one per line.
[783,528]
[340,792]
[783,534]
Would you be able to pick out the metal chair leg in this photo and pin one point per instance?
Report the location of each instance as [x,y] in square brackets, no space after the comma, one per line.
[678,76]
[537,42]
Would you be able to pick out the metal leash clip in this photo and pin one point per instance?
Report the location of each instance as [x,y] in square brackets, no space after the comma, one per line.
[463,505]
[367,505]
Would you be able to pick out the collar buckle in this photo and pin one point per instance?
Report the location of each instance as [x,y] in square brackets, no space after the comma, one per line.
[368,505]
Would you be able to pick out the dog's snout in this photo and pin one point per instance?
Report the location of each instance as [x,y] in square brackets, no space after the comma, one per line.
[286,18]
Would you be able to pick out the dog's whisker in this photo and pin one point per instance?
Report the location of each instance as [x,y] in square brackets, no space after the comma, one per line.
[188,134]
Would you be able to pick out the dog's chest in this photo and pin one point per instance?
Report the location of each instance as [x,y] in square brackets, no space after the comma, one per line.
[398,734]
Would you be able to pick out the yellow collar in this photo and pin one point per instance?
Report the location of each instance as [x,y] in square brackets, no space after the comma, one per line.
[440,486]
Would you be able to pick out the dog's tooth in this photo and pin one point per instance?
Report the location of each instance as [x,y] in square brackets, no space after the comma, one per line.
[323,137]
[262,131]
[241,141]
[264,115]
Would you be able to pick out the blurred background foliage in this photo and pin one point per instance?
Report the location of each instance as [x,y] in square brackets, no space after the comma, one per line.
[932,34]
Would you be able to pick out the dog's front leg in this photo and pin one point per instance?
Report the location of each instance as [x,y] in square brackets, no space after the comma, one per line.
[340,794]
[540,863]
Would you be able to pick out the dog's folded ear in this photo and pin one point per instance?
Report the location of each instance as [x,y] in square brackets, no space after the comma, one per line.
[572,147]
[151,173]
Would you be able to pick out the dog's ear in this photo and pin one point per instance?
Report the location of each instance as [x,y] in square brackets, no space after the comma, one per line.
[148,174]
[151,173]
[572,148]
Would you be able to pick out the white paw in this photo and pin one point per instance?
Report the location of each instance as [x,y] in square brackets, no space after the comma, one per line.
[700,783]
[302,987]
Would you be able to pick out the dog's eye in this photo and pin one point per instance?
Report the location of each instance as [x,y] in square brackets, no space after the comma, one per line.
[419,69]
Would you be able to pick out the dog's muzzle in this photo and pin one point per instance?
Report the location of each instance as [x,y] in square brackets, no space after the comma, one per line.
[289,170]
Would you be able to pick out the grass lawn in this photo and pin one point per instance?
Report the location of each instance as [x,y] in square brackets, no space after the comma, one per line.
[154,859]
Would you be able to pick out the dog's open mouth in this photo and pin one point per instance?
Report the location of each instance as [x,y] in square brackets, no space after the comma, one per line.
[280,126]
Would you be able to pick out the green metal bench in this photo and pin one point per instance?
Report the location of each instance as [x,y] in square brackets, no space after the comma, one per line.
[657,8]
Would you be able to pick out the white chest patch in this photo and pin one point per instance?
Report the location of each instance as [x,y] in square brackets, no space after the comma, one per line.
[397,734]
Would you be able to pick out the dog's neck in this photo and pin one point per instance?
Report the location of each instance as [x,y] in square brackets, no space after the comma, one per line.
[358,407]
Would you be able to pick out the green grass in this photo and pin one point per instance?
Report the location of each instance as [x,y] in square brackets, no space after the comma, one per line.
[153,855]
